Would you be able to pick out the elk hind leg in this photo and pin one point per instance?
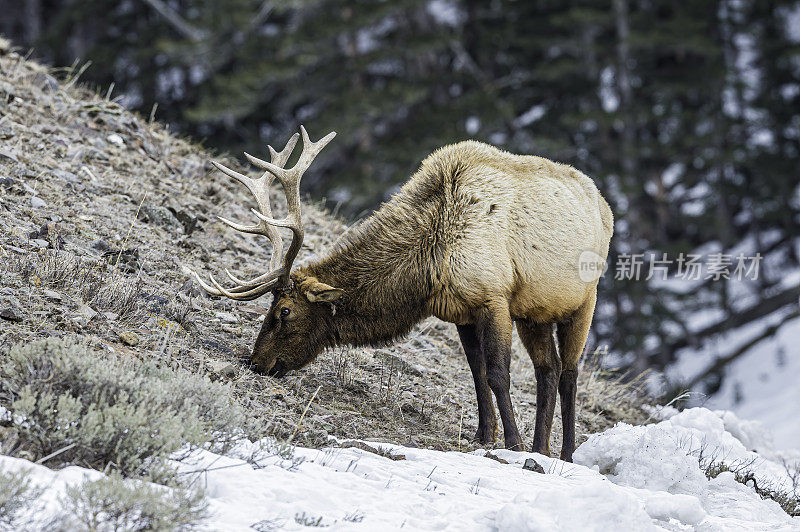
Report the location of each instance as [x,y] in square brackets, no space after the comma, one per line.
[538,340]
[572,334]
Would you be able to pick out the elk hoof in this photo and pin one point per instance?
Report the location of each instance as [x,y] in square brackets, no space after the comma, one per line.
[515,444]
[485,434]
[541,450]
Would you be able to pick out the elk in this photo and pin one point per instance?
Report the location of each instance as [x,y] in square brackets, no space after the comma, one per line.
[478,237]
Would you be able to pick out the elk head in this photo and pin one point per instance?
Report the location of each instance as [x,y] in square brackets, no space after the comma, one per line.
[284,342]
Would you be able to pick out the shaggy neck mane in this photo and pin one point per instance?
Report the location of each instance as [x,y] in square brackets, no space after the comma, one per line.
[385,272]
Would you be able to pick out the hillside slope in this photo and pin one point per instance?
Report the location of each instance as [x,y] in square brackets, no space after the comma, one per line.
[101,212]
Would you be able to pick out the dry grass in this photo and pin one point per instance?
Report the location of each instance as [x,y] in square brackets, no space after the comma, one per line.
[788,497]
[105,257]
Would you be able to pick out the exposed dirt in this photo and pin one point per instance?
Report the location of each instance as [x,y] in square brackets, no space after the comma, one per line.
[101,211]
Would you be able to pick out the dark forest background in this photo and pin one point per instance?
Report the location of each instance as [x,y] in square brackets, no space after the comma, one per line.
[686,114]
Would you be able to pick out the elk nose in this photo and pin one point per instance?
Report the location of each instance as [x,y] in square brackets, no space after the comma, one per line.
[277,370]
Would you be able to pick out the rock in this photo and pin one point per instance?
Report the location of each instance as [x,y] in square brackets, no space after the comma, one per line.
[52,294]
[38,203]
[223,369]
[7,182]
[128,338]
[498,459]
[380,451]
[10,314]
[532,465]
[395,363]
[116,140]
[42,233]
[126,260]
[158,216]
[232,329]
[46,236]
[66,176]
[85,314]
[226,317]
[9,155]
[187,219]
[101,245]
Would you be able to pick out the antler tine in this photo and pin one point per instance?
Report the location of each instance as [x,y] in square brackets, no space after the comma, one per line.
[290,179]
[240,293]
[252,283]
[243,292]
[280,264]
[292,175]
[278,158]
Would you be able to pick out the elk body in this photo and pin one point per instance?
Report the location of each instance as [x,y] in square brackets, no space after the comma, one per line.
[478,237]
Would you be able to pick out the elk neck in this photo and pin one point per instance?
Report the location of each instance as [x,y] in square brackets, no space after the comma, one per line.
[386,269]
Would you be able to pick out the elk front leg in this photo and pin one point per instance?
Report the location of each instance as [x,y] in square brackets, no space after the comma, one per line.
[487,422]
[494,333]
[538,340]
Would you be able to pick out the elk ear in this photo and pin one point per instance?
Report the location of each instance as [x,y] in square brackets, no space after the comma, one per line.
[322,293]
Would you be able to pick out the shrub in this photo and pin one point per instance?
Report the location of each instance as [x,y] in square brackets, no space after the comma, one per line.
[82,407]
[17,496]
[112,504]
[742,473]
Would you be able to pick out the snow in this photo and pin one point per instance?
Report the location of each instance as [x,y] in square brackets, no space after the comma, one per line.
[626,478]
[759,385]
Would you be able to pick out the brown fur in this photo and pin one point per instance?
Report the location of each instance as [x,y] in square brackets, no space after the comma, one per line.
[478,237]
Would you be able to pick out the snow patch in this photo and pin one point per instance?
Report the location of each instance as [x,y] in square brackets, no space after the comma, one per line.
[626,478]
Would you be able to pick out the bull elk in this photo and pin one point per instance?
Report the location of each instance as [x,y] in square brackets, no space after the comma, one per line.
[478,237]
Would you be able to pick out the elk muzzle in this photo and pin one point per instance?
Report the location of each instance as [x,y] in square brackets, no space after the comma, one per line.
[277,370]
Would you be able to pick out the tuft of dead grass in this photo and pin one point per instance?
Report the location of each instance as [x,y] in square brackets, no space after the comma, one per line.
[743,473]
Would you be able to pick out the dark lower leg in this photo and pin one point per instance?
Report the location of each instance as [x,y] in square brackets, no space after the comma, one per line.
[572,334]
[546,385]
[494,333]
[567,386]
[500,382]
[487,422]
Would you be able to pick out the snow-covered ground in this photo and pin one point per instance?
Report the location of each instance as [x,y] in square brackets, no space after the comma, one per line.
[626,478]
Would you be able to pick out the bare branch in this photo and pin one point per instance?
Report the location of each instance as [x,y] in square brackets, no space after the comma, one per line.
[176,21]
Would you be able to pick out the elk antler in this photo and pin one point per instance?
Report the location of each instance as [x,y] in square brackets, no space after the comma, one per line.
[280,264]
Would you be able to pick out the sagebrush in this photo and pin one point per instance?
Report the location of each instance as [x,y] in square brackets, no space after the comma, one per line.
[18,497]
[113,504]
[75,405]
[788,499]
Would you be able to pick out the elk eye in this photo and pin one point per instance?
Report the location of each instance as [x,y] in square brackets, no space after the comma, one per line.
[285,312]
